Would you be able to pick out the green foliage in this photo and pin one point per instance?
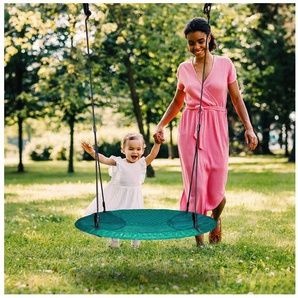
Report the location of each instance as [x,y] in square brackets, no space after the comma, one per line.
[114,149]
[269,66]
[45,254]
[135,51]
[54,147]
[47,148]
[41,153]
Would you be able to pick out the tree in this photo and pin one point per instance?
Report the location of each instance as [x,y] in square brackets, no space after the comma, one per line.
[138,51]
[259,38]
[270,54]
[22,27]
[63,78]
[135,52]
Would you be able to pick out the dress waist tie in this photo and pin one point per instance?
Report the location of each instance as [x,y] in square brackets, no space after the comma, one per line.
[203,120]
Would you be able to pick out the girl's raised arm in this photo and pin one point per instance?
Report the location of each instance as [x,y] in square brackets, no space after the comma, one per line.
[153,153]
[102,159]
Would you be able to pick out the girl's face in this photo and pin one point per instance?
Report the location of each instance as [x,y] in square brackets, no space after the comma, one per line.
[197,42]
[133,150]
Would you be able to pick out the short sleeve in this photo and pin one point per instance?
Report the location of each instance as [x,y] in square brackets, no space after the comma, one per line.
[114,169]
[180,85]
[232,74]
[143,166]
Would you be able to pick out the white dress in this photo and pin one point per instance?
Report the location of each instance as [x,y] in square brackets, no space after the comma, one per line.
[124,189]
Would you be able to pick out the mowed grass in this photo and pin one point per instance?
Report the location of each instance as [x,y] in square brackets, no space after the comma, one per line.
[45,254]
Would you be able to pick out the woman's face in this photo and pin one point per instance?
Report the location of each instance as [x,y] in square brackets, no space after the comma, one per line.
[196,42]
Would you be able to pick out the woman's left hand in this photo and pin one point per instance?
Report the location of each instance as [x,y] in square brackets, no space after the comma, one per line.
[251,139]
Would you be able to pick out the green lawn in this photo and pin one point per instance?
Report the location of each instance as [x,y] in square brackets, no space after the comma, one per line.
[46,254]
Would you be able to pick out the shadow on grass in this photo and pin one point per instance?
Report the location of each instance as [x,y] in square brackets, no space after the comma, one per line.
[156,267]
[180,267]
[250,259]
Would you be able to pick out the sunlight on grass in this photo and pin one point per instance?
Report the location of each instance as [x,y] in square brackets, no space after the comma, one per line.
[46,254]
[255,201]
[47,192]
[158,196]
[35,282]
[260,164]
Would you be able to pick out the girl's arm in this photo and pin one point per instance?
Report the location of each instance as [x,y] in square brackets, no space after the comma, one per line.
[239,105]
[153,153]
[102,159]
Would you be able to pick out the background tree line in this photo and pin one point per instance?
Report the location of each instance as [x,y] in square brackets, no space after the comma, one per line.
[135,52]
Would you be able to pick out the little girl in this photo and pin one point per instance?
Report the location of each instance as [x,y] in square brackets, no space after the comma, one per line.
[124,189]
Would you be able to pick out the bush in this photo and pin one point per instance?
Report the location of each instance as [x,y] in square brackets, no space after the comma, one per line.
[164,151]
[47,148]
[109,149]
[60,152]
[41,153]
[55,147]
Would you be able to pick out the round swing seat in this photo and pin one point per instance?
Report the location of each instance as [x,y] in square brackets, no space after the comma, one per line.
[146,224]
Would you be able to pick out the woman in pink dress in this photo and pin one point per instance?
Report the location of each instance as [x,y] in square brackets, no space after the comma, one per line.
[213,147]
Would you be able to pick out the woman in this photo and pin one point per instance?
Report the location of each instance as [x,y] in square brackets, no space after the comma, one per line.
[219,79]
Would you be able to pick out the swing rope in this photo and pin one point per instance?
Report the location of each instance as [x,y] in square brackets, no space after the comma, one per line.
[97,163]
[206,10]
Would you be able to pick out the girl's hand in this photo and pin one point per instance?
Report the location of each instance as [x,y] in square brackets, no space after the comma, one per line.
[88,148]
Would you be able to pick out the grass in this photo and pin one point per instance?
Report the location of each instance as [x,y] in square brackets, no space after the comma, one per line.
[46,254]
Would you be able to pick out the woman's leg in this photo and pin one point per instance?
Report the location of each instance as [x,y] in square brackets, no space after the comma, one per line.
[215,235]
[200,240]
[218,210]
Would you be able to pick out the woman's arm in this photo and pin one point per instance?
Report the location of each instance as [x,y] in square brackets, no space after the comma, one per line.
[239,105]
[171,112]
[102,159]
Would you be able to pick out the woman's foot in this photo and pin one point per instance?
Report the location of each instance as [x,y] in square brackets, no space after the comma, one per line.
[215,235]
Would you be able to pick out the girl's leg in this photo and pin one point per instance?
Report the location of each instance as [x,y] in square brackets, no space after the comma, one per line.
[135,243]
[114,243]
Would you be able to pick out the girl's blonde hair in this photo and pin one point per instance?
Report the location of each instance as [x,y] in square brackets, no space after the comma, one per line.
[132,136]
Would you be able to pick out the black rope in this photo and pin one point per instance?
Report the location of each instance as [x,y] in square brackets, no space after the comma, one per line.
[206,10]
[97,163]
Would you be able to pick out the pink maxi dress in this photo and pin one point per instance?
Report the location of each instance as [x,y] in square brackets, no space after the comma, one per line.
[213,137]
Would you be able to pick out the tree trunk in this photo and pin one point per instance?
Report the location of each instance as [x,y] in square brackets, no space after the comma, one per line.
[265,122]
[134,97]
[292,156]
[287,154]
[171,149]
[137,112]
[20,137]
[71,145]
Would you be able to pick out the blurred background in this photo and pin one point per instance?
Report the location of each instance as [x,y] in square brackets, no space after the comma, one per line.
[135,50]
